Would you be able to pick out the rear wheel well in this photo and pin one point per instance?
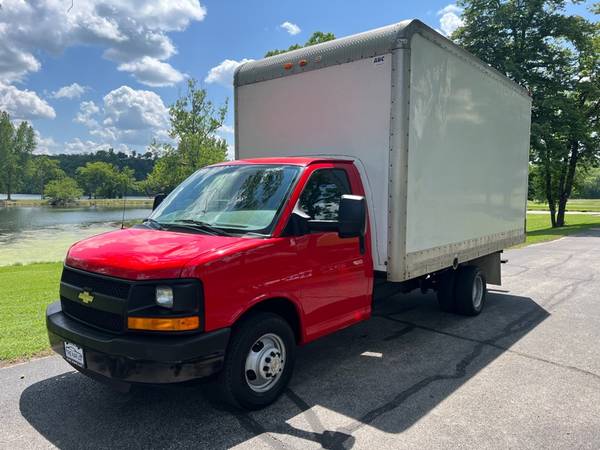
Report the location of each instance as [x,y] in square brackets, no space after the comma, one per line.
[280,306]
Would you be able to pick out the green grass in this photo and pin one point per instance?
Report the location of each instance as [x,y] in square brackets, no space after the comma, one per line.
[25,290]
[24,293]
[578,204]
[539,228]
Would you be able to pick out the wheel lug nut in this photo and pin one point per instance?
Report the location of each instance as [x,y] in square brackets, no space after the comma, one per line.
[267,359]
[266,368]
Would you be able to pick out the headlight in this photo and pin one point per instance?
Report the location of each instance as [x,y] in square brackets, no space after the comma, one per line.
[164,296]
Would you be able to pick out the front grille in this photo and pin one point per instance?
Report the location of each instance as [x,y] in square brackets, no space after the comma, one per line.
[95,317]
[94,283]
[109,303]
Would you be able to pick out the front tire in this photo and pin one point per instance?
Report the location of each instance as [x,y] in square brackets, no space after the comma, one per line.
[259,361]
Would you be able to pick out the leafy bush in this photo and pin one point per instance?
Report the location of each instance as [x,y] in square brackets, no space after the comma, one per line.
[63,191]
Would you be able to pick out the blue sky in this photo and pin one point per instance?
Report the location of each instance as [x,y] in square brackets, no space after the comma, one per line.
[103,73]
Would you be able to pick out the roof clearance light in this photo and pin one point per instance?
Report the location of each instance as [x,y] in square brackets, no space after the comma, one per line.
[288,65]
[302,62]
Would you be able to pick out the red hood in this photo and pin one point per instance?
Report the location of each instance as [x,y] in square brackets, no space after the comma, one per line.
[142,254]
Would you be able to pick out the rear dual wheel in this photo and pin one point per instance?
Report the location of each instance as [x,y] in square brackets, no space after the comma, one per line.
[462,291]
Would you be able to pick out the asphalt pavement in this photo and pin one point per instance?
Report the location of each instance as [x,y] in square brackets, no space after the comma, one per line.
[523,374]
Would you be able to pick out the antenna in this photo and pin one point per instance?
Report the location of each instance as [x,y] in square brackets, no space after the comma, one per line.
[123,216]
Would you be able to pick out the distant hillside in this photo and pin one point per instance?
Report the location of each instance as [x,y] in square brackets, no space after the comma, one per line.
[142,164]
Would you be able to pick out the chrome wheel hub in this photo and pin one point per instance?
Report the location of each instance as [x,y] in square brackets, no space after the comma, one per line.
[477,292]
[265,362]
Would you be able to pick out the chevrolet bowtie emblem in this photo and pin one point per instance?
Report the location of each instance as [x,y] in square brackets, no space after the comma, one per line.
[85,297]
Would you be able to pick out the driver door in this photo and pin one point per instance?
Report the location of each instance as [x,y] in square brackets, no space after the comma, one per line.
[338,291]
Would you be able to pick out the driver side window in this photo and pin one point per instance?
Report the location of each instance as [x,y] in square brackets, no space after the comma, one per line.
[320,199]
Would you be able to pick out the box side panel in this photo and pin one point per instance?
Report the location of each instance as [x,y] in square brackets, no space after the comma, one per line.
[341,110]
[467,160]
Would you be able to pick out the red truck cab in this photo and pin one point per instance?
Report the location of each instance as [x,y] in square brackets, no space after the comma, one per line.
[239,264]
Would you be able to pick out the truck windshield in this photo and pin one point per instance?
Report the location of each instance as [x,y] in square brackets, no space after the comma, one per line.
[231,198]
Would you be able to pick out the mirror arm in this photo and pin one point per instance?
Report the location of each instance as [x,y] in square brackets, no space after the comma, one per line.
[158,198]
[323,225]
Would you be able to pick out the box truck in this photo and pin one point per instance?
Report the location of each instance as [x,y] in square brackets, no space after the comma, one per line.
[392,153]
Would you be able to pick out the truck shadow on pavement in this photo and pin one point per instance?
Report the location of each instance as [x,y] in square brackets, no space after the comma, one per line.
[386,373]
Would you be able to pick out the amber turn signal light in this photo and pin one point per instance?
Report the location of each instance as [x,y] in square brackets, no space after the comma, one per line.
[163,324]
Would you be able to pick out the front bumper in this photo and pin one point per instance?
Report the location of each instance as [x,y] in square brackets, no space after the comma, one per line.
[138,358]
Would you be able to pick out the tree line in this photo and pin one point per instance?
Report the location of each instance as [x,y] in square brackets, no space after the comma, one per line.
[63,178]
[99,174]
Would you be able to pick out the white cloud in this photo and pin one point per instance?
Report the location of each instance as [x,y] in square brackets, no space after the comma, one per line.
[127,116]
[290,27]
[128,30]
[14,63]
[450,19]
[87,113]
[48,146]
[87,146]
[226,129]
[152,72]
[45,145]
[71,91]
[128,108]
[24,104]
[451,8]
[223,73]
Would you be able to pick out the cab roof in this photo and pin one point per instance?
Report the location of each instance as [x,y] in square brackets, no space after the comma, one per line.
[289,160]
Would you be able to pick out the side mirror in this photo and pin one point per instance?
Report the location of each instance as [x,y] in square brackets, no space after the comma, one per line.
[352,217]
[158,198]
[298,224]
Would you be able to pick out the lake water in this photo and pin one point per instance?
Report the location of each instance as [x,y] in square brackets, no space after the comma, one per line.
[35,234]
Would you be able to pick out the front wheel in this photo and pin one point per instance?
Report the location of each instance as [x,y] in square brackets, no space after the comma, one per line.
[259,361]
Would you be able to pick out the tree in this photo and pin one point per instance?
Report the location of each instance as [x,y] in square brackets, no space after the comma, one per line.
[100,179]
[587,183]
[557,57]
[165,175]
[93,176]
[16,146]
[124,182]
[194,123]
[42,170]
[62,191]
[316,38]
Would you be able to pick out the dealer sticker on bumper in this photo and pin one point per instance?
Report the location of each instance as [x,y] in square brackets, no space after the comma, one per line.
[74,354]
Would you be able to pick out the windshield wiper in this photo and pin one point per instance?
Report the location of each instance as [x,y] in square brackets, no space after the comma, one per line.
[203,226]
[157,225]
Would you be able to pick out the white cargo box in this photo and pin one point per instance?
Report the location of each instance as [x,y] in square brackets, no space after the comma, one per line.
[441,139]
